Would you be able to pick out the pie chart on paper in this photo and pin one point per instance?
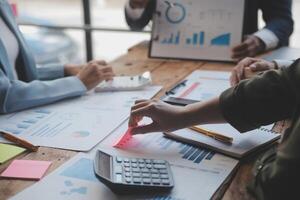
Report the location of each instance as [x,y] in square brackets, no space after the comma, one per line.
[81,134]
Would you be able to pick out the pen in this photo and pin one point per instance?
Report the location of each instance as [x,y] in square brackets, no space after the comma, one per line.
[216,136]
[19,141]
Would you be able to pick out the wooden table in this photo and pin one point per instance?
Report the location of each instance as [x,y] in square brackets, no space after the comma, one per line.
[164,72]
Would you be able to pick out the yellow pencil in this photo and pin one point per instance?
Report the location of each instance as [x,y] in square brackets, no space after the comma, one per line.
[23,143]
[216,136]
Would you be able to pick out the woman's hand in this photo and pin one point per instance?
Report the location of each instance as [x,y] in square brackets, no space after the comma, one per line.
[165,117]
[94,73]
[254,64]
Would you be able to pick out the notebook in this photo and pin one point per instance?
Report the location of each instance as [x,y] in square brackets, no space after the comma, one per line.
[242,145]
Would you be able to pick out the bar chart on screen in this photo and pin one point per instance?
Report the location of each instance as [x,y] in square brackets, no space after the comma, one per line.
[194,29]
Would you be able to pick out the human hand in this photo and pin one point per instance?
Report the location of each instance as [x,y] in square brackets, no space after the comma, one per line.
[94,72]
[254,64]
[250,47]
[165,117]
[138,3]
[72,69]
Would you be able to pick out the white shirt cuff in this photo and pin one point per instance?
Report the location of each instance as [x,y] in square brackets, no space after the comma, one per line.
[133,13]
[268,37]
[283,63]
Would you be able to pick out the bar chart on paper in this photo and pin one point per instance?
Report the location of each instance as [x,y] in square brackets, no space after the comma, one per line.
[197,29]
[77,124]
[155,145]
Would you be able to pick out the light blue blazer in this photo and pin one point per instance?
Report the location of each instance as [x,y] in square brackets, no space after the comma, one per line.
[37,86]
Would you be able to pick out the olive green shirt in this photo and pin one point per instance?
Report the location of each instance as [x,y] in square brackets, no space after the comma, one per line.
[270,97]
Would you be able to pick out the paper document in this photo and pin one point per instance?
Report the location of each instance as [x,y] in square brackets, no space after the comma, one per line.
[193,29]
[76,124]
[243,143]
[203,85]
[155,145]
[75,180]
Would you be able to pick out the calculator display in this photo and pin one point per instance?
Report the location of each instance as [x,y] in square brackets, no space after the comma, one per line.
[104,162]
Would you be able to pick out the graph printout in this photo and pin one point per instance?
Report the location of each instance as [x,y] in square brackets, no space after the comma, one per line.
[197,29]
[76,124]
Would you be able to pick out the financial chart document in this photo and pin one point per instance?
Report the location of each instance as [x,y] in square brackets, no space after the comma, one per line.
[197,29]
[207,165]
[76,180]
[76,124]
[203,85]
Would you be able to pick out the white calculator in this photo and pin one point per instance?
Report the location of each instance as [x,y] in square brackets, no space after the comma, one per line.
[125,83]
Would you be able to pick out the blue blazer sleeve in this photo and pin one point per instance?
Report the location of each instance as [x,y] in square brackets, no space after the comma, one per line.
[18,95]
[278,17]
[50,71]
[139,24]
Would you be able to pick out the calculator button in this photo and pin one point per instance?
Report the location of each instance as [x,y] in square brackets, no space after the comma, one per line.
[126,160]
[128,180]
[141,165]
[137,180]
[141,160]
[133,160]
[118,178]
[149,166]
[159,162]
[145,170]
[146,180]
[127,169]
[118,169]
[165,182]
[134,169]
[163,171]
[119,160]
[159,166]
[148,161]
[156,181]
[154,175]
[164,176]
[134,165]
[146,175]
[153,170]
[127,174]
[136,174]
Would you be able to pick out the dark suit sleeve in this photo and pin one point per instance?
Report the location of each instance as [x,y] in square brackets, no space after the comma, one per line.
[139,24]
[278,17]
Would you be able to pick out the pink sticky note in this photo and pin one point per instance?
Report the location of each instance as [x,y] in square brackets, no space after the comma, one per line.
[124,139]
[26,169]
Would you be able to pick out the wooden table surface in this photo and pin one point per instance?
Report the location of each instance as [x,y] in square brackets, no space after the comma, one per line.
[165,73]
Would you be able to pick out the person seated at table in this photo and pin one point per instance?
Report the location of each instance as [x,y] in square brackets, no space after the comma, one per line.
[269,97]
[256,65]
[23,85]
[276,14]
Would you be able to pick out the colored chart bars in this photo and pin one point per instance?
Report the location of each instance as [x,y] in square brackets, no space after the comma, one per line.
[196,39]
[221,40]
[173,39]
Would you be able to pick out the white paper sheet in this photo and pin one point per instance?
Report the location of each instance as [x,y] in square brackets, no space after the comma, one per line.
[193,29]
[77,124]
[203,85]
[155,145]
[75,180]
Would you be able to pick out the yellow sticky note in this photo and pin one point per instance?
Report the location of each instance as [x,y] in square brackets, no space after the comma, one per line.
[8,151]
